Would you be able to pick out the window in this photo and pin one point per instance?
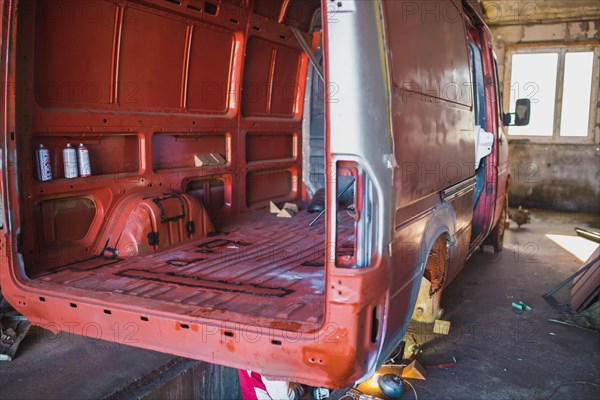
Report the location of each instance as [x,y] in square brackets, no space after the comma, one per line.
[577,93]
[534,76]
[478,85]
[559,81]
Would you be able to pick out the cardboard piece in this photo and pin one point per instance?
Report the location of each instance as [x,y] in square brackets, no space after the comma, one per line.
[285,213]
[415,370]
[207,160]
[274,209]
[288,210]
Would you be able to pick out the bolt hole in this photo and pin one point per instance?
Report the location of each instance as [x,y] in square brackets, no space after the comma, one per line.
[312,359]
[210,8]
[145,319]
[42,299]
[276,342]
[107,312]
[105,120]
[73,305]
[184,326]
[228,333]
[340,292]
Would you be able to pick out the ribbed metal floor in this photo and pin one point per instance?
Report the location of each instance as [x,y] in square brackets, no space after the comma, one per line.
[259,265]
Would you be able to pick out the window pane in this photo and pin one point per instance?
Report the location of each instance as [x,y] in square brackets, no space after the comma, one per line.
[478,85]
[577,91]
[533,76]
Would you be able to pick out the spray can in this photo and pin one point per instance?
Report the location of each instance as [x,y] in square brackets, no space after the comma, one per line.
[83,160]
[42,158]
[70,161]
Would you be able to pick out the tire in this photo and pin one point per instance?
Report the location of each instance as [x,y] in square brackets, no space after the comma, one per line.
[496,238]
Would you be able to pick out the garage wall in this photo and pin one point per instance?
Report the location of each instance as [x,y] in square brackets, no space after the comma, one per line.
[553,176]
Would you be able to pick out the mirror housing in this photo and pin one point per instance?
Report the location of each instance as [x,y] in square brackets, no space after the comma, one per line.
[522,114]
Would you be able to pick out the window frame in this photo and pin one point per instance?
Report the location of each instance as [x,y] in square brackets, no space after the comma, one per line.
[562,49]
[477,85]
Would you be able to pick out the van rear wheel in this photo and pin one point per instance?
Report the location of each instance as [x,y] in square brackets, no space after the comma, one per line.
[428,305]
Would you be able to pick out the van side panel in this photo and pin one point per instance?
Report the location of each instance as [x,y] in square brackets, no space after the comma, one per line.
[434,143]
[146,85]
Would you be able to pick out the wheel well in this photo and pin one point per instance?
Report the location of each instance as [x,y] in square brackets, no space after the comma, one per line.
[436,266]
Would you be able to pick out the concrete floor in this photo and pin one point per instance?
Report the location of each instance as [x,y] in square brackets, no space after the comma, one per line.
[66,366]
[501,354]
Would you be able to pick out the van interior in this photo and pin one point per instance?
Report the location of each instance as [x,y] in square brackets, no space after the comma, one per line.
[152,88]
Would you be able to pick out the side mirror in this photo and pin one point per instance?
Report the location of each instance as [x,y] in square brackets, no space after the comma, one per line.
[522,114]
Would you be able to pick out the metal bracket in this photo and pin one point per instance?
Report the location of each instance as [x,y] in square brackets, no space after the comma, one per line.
[113,250]
[164,219]
[311,56]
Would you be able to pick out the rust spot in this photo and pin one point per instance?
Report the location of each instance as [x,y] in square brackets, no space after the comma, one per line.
[230,346]
[341,367]
[286,326]
[435,269]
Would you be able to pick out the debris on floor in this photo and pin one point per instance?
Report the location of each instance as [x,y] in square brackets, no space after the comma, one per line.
[521,306]
[567,323]
[583,309]
[12,332]
[273,208]
[287,211]
[588,234]
[586,287]
[441,327]
[591,264]
[588,319]
[445,365]
[521,216]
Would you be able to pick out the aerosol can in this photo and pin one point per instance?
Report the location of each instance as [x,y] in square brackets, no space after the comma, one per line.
[42,157]
[70,161]
[83,160]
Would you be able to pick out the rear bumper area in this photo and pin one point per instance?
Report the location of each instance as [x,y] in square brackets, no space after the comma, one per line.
[251,297]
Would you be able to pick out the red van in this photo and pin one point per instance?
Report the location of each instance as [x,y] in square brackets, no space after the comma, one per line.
[190,117]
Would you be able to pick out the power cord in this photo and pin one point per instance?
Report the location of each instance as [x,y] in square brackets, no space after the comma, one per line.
[571,383]
[413,389]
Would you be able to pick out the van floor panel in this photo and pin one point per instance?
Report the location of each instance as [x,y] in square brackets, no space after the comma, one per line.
[260,265]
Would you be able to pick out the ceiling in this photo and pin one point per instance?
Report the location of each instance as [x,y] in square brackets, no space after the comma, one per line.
[518,12]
